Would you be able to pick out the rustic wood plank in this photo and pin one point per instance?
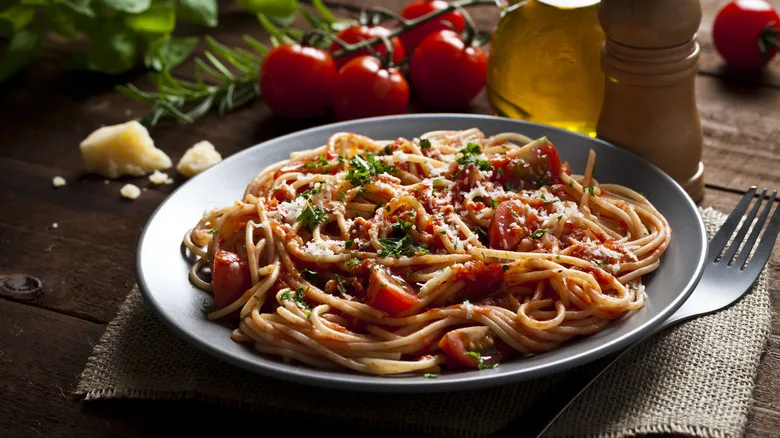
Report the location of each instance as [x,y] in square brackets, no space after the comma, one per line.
[41,355]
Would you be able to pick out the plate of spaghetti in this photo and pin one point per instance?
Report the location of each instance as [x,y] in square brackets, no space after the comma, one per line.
[421,253]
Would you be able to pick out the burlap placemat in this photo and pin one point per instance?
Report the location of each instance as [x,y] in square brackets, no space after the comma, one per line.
[693,379]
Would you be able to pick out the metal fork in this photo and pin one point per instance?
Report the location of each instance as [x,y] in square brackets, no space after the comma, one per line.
[725,280]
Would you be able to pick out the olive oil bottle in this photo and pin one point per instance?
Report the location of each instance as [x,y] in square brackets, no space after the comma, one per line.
[545,63]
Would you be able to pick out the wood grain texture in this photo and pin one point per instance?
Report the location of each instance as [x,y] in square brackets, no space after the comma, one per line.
[86,262]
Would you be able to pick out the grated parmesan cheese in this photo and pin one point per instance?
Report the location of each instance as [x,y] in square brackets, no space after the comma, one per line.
[160,178]
[58,181]
[324,247]
[130,191]
[290,211]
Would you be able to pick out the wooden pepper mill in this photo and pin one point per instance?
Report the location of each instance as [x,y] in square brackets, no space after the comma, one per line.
[650,60]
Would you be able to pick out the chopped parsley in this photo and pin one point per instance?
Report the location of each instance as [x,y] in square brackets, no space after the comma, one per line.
[425,143]
[509,185]
[571,183]
[353,261]
[388,150]
[551,203]
[402,243]
[318,161]
[590,190]
[598,262]
[541,195]
[299,299]
[557,257]
[208,307]
[481,231]
[340,285]
[362,170]
[528,355]
[214,231]
[430,375]
[504,268]
[470,156]
[543,182]
[311,217]
[310,275]
[342,196]
[538,234]
[312,191]
[559,218]
[494,204]
[348,244]
[481,360]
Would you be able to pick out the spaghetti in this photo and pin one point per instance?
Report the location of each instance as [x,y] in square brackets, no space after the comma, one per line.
[453,250]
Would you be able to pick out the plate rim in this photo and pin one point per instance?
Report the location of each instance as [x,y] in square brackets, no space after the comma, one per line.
[383,384]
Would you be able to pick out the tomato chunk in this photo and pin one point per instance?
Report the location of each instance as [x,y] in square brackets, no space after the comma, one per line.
[390,294]
[472,347]
[509,225]
[535,164]
[230,278]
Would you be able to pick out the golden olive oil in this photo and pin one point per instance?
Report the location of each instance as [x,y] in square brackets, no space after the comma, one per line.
[545,64]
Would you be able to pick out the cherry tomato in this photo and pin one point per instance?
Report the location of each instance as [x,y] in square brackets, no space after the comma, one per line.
[356,34]
[297,81]
[452,20]
[447,74]
[389,294]
[535,164]
[472,347]
[739,27]
[366,89]
[230,278]
[508,226]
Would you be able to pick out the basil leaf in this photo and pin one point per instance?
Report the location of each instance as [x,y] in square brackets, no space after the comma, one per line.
[18,52]
[131,6]
[14,19]
[80,7]
[113,50]
[158,19]
[198,11]
[61,20]
[167,53]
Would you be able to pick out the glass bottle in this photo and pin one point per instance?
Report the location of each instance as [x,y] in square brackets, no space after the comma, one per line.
[545,63]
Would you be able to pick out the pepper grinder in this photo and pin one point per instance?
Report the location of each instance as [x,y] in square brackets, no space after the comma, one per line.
[650,59]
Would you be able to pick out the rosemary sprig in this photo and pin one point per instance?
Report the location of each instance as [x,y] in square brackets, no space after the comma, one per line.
[225,77]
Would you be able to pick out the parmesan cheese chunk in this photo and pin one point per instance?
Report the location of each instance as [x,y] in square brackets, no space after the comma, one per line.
[198,158]
[125,149]
[130,191]
[58,181]
[160,178]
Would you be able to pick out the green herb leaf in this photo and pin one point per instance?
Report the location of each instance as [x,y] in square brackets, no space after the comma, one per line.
[15,19]
[18,52]
[425,143]
[494,204]
[113,49]
[299,299]
[214,231]
[430,375]
[590,189]
[62,20]
[167,53]
[481,360]
[353,261]
[129,6]
[342,196]
[470,155]
[363,169]
[202,12]
[311,217]
[537,234]
[504,268]
[598,262]
[81,7]
[348,243]
[310,275]
[280,10]
[158,19]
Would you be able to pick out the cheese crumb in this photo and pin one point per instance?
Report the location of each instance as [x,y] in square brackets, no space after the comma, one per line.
[55,225]
[125,149]
[160,178]
[198,158]
[130,191]
[58,181]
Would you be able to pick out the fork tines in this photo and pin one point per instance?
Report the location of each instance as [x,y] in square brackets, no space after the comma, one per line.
[738,252]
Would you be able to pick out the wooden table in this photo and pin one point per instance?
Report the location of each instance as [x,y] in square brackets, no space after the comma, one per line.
[80,240]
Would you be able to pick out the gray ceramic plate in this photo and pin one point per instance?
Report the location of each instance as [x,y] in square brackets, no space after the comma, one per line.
[162,270]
